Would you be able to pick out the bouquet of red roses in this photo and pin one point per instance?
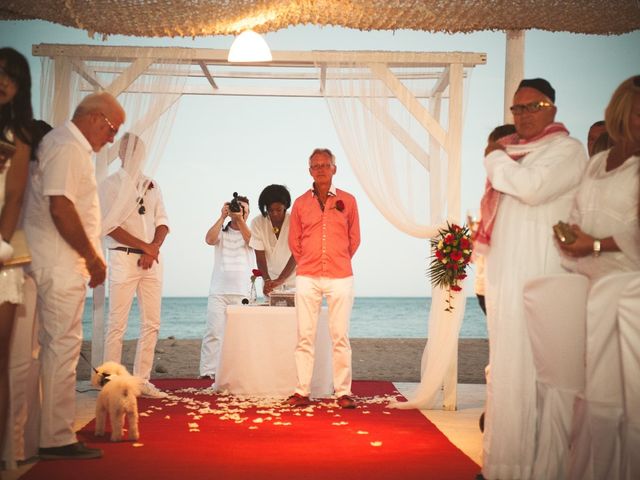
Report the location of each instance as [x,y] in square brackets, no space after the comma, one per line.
[452,250]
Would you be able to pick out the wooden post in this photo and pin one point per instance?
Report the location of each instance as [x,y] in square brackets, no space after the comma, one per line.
[513,69]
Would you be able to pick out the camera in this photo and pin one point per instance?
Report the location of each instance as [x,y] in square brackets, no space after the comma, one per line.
[234,204]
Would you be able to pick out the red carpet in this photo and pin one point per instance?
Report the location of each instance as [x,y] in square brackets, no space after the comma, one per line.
[370,442]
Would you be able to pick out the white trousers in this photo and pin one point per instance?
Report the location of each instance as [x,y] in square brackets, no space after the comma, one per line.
[214,333]
[126,278]
[61,295]
[339,294]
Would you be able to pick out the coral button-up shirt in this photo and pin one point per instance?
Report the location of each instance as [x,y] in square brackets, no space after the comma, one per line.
[323,241]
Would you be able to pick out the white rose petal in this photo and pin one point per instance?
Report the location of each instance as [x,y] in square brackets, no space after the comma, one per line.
[376,444]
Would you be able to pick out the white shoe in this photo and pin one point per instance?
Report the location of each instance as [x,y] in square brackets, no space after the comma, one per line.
[149,390]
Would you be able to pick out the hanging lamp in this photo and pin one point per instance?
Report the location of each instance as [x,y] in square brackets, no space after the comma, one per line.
[249,46]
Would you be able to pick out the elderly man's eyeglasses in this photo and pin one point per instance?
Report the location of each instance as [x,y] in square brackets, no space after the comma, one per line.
[532,107]
[320,166]
[112,127]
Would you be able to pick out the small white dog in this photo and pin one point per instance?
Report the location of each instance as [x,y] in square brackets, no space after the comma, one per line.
[117,398]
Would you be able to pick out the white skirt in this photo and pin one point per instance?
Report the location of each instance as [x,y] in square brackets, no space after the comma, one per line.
[11,281]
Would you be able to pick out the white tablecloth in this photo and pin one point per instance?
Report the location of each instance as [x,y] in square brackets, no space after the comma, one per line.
[258,353]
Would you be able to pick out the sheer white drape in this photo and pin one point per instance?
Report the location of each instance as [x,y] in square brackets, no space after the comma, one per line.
[148,89]
[404,171]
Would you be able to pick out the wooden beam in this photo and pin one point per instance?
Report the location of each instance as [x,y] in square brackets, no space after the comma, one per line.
[82,71]
[207,74]
[397,131]
[408,99]
[280,58]
[129,75]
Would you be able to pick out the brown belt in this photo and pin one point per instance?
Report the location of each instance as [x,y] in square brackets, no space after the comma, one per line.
[128,250]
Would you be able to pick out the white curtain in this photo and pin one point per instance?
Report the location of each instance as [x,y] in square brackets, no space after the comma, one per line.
[404,171]
[148,89]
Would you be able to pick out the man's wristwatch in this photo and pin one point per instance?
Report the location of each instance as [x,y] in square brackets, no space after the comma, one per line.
[596,248]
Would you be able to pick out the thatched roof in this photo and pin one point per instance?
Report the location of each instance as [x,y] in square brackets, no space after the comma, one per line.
[156,18]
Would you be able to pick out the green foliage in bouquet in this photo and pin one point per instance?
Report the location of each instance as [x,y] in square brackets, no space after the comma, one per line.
[452,250]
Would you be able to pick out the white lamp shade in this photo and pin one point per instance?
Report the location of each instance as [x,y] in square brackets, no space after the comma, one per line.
[249,47]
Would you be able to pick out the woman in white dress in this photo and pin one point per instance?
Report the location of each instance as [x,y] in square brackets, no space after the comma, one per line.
[269,239]
[605,218]
[16,117]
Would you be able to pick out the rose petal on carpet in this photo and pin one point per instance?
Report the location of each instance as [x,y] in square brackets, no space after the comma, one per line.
[196,434]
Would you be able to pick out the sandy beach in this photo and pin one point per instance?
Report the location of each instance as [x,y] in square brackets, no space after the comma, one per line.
[392,359]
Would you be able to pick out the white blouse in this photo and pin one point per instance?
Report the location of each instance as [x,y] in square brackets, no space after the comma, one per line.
[276,249]
[606,205]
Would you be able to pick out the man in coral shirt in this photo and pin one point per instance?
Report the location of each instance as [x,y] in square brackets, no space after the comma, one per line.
[324,234]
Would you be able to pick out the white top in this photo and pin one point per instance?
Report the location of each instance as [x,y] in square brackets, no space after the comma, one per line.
[234,261]
[140,226]
[607,205]
[11,278]
[65,168]
[276,249]
[538,191]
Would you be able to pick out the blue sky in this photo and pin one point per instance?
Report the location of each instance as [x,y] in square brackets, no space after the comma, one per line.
[223,144]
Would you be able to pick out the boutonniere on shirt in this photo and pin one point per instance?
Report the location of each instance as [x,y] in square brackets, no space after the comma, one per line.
[339,206]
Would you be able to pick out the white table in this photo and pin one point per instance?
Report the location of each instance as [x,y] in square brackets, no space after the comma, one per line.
[258,353]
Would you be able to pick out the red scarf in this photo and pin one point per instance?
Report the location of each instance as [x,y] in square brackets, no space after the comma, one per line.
[491,198]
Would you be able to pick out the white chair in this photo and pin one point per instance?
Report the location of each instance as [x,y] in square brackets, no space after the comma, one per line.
[23,426]
[629,337]
[600,419]
[555,309]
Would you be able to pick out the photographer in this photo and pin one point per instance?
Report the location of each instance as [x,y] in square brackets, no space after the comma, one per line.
[234,260]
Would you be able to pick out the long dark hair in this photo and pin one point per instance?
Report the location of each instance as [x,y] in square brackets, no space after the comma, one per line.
[17,114]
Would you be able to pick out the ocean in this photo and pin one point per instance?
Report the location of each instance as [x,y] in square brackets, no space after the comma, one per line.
[372,317]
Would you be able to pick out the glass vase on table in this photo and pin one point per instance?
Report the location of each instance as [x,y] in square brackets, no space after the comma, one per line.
[253,295]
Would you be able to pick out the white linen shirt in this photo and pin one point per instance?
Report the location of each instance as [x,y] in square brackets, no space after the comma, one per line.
[276,249]
[65,168]
[140,226]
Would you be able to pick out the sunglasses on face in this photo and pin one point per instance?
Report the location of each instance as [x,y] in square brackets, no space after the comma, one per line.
[532,107]
[141,209]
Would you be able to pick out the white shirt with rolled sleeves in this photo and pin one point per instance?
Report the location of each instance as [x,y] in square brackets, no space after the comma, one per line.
[65,168]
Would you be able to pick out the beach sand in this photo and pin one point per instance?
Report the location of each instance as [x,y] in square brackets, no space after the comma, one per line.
[391,359]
